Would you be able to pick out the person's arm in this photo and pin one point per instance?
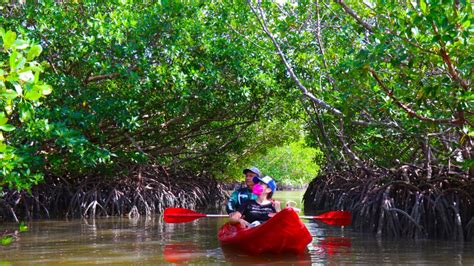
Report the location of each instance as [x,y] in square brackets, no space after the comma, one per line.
[276,206]
[237,217]
[232,202]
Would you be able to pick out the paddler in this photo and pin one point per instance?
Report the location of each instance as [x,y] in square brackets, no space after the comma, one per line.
[243,194]
[257,211]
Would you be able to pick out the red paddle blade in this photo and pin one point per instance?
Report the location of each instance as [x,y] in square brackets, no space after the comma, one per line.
[341,218]
[181,215]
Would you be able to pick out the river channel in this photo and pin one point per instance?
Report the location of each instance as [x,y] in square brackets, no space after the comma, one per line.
[124,241]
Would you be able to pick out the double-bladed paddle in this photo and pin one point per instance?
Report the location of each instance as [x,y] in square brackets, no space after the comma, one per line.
[182,215]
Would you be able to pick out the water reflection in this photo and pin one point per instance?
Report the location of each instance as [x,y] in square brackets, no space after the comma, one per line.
[183,253]
[333,245]
[236,257]
[124,241]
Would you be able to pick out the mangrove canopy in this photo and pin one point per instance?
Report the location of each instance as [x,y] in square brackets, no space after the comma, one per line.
[116,106]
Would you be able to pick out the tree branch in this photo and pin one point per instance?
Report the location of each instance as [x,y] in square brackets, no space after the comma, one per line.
[101,77]
[105,76]
[354,15]
[327,144]
[447,60]
[318,36]
[345,145]
[408,109]
[321,103]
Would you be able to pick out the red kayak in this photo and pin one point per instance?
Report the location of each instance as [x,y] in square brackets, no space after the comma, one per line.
[283,233]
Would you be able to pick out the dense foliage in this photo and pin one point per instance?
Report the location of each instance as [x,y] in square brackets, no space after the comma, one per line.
[386,83]
[173,84]
[382,83]
[145,92]
[20,92]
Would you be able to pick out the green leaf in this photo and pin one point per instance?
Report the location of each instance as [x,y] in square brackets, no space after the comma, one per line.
[8,39]
[13,60]
[469,163]
[20,44]
[423,6]
[33,95]
[20,62]
[9,94]
[44,89]
[435,39]
[34,51]
[17,61]
[26,112]
[18,88]
[7,240]
[446,38]
[3,120]
[7,127]
[466,24]
[23,227]
[26,76]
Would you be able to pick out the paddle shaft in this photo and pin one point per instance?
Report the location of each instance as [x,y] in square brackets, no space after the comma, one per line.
[197,215]
[316,217]
[307,217]
[226,215]
[217,215]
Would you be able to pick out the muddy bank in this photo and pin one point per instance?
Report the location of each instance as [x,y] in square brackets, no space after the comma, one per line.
[145,191]
[399,203]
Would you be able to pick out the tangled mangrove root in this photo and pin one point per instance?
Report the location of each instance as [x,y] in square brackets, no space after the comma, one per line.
[147,190]
[399,203]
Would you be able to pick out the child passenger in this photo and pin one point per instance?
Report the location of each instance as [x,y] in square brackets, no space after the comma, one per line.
[257,211]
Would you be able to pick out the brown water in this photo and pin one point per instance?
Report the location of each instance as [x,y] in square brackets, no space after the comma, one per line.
[124,241]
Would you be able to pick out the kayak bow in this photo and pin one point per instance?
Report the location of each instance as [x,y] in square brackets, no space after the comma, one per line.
[283,233]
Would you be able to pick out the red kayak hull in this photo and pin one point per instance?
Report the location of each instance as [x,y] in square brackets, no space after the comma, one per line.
[284,233]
